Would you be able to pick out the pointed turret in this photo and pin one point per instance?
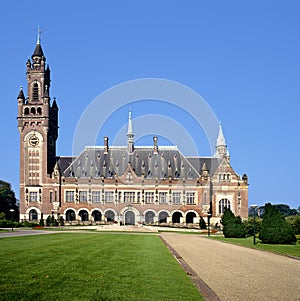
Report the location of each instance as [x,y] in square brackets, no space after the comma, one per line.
[56,171]
[221,148]
[21,97]
[204,171]
[38,57]
[130,134]
[221,139]
[38,51]
[54,105]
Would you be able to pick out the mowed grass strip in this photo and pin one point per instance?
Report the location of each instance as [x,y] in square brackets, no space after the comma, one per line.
[91,266]
[290,250]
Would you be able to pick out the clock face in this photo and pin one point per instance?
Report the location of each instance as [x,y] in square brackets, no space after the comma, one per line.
[33,140]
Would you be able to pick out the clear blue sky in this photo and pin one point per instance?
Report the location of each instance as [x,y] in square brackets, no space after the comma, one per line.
[242,57]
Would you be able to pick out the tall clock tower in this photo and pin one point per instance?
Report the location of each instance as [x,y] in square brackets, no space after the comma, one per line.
[38,127]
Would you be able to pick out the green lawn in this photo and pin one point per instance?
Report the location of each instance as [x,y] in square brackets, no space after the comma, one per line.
[91,266]
[291,250]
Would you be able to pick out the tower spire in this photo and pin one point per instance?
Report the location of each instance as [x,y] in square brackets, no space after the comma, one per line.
[39,35]
[220,139]
[130,134]
[221,148]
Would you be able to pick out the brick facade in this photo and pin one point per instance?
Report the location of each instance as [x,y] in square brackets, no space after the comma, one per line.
[129,184]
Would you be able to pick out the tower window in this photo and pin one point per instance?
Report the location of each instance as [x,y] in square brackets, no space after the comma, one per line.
[26,111]
[39,111]
[33,111]
[35,92]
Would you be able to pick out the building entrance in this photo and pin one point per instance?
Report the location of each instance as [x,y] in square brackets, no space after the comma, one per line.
[129,218]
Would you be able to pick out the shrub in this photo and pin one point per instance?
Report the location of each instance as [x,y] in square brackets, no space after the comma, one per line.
[249,223]
[48,221]
[28,224]
[51,221]
[5,223]
[294,223]
[275,229]
[42,223]
[202,223]
[61,221]
[232,225]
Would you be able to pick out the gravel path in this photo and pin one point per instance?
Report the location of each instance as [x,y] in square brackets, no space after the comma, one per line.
[238,273]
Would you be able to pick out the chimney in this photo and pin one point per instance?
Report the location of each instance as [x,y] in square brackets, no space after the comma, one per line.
[105,145]
[155,148]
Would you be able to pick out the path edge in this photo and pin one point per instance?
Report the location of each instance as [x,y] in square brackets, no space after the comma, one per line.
[207,293]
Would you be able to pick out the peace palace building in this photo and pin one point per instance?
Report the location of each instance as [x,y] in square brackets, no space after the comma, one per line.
[126,184]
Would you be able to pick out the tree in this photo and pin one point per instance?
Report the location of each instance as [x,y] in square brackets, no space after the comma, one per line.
[294,222]
[8,200]
[232,225]
[275,229]
[249,225]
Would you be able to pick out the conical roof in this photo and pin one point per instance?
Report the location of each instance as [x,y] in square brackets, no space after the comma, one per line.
[221,138]
[21,94]
[38,51]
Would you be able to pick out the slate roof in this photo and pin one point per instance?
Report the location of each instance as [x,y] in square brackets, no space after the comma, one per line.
[38,51]
[94,162]
[212,163]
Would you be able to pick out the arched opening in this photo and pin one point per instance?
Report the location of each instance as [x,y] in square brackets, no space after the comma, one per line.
[97,216]
[32,111]
[224,203]
[39,111]
[129,218]
[84,215]
[162,217]
[149,217]
[33,215]
[110,215]
[176,217]
[70,215]
[190,217]
[35,92]
[26,111]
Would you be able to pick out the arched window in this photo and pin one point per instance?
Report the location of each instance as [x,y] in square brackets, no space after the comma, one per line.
[149,217]
[110,215]
[33,216]
[26,111]
[97,216]
[39,111]
[35,92]
[162,217]
[176,217]
[84,215]
[190,217]
[32,111]
[224,203]
[70,215]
